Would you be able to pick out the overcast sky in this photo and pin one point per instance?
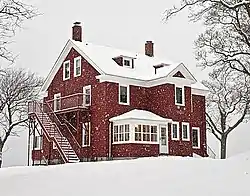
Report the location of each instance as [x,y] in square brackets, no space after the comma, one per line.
[120,24]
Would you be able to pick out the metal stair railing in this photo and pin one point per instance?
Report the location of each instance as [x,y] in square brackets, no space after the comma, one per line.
[35,108]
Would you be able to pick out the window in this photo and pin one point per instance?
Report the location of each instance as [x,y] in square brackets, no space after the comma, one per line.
[185,131]
[121,133]
[38,142]
[87,95]
[196,137]
[179,96]
[124,95]
[146,133]
[77,66]
[128,62]
[86,127]
[175,131]
[66,70]
[57,101]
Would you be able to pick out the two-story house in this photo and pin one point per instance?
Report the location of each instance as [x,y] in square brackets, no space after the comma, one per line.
[102,103]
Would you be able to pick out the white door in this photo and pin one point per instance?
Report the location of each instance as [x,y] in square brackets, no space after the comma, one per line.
[163,139]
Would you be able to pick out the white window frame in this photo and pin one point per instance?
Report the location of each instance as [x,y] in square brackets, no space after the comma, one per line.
[55,101]
[39,140]
[128,94]
[84,100]
[183,95]
[124,133]
[130,62]
[136,125]
[199,139]
[64,70]
[188,131]
[83,133]
[75,60]
[178,131]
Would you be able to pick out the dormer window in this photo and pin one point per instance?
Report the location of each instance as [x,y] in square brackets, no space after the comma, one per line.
[128,62]
[125,61]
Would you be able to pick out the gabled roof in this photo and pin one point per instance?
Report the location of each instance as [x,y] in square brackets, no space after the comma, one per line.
[139,115]
[101,58]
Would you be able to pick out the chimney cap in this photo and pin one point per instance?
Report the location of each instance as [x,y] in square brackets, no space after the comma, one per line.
[77,23]
[149,41]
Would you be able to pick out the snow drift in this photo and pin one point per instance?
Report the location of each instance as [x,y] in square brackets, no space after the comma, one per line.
[174,176]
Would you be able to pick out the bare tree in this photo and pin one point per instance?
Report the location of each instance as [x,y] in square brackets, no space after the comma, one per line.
[17,87]
[226,41]
[12,15]
[227,103]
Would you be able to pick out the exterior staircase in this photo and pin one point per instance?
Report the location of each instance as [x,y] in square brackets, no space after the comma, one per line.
[51,130]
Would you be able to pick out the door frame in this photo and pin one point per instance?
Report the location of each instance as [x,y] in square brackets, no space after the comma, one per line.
[163,149]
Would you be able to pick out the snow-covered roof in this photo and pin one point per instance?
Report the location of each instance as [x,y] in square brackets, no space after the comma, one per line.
[139,115]
[101,58]
[143,69]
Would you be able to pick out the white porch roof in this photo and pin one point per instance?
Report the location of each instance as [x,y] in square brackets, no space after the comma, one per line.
[139,115]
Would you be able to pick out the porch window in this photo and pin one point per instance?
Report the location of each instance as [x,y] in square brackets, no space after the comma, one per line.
[86,134]
[66,70]
[123,94]
[196,137]
[175,131]
[146,133]
[121,133]
[87,95]
[185,131]
[77,66]
[179,96]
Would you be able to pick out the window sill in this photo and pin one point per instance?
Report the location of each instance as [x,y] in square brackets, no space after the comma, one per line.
[85,146]
[196,147]
[185,140]
[178,104]
[64,79]
[123,103]
[77,75]
[175,139]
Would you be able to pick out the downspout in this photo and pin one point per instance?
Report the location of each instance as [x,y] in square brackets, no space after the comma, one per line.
[110,141]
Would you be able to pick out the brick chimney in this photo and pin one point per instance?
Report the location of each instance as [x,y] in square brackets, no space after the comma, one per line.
[149,48]
[77,32]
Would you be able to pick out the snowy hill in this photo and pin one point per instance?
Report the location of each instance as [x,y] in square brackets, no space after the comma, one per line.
[174,176]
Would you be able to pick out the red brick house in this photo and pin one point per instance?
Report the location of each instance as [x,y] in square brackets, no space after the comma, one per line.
[101,103]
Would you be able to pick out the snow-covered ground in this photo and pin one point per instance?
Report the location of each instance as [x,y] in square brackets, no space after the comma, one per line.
[173,176]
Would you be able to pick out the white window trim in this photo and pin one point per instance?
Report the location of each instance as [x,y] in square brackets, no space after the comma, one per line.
[183,95]
[130,62]
[178,131]
[188,131]
[199,139]
[128,94]
[40,142]
[84,88]
[66,62]
[130,133]
[75,60]
[57,95]
[83,138]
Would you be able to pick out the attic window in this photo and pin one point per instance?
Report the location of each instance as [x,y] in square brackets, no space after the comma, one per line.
[127,62]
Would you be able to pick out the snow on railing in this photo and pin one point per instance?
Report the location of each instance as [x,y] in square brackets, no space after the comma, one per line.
[74,101]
